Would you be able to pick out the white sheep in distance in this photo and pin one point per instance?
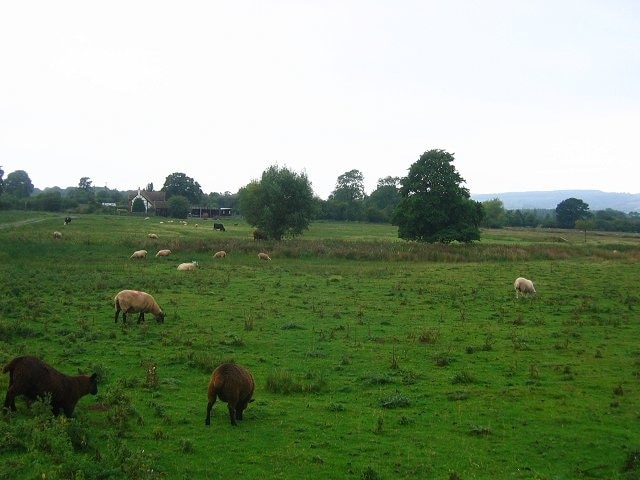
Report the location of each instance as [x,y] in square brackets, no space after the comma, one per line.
[523,286]
[153,235]
[57,234]
[139,254]
[220,254]
[163,253]
[188,266]
[263,256]
[134,301]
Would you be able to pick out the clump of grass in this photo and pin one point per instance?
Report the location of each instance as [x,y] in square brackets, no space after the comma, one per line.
[376,379]
[396,400]
[283,381]
[458,395]
[632,462]
[336,407]
[429,336]
[186,446]
[291,326]
[369,474]
[464,377]
[479,431]
[232,340]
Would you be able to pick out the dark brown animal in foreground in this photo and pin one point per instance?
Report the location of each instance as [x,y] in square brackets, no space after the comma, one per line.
[232,384]
[31,377]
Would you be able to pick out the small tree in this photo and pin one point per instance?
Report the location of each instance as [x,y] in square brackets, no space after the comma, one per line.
[433,206]
[18,184]
[178,206]
[280,204]
[494,214]
[138,206]
[570,210]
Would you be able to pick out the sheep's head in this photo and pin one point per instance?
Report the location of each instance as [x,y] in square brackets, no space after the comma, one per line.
[160,317]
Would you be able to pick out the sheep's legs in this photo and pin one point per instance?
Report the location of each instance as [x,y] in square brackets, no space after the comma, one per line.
[232,414]
[207,421]
[10,400]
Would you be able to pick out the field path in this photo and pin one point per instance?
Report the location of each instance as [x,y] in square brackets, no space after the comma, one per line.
[23,222]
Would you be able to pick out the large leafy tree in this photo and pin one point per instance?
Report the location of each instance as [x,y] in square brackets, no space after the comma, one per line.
[434,207]
[18,184]
[494,213]
[280,203]
[180,184]
[346,200]
[570,210]
[383,199]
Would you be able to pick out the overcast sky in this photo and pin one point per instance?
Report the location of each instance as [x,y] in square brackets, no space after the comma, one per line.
[528,95]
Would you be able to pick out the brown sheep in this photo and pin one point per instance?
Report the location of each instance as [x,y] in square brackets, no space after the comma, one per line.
[134,301]
[264,256]
[31,377]
[220,254]
[232,384]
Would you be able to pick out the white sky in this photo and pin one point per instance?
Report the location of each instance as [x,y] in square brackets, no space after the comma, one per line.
[528,95]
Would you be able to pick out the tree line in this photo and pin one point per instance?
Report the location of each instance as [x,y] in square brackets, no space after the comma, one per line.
[429,204]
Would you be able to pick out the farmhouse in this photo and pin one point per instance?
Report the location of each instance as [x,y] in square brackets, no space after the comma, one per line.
[154,202]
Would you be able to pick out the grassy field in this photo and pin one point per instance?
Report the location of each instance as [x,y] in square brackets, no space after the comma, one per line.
[374,358]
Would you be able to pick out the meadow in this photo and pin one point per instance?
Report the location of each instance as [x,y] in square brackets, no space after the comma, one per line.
[374,358]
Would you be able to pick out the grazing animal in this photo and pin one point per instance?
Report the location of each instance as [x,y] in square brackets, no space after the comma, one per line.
[153,235]
[67,220]
[218,226]
[133,301]
[232,384]
[139,254]
[523,286]
[163,253]
[188,266]
[260,234]
[263,256]
[57,234]
[33,378]
[220,254]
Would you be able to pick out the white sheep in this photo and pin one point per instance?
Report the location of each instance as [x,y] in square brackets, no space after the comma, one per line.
[134,301]
[153,235]
[220,254]
[523,286]
[139,254]
[163,253]
[263,256]
[57,234]
[188,266]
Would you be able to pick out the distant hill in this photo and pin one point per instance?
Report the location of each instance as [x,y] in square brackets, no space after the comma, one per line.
[596,199]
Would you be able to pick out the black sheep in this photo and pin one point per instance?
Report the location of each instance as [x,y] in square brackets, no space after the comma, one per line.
[33,378]
[232,384]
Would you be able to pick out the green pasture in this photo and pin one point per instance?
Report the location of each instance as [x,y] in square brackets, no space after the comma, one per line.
[374,358]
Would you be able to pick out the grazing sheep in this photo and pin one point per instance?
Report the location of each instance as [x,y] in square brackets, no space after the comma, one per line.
[220,254]
[263,256]
[139,254]
[232,384]
[67,220]
[133,301]
[260,234]
[57,234]
[31,377]
[188,266]
[523,286]
[153,235]
[163,253]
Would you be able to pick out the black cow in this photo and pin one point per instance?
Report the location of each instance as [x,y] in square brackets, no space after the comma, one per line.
[67,220]
[218,226]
